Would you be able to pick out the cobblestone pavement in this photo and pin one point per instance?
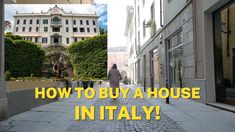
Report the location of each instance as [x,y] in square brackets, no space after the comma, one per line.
[165,124]
[59,117]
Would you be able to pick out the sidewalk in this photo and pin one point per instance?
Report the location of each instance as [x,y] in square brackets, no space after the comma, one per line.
[196,117]
[180,115]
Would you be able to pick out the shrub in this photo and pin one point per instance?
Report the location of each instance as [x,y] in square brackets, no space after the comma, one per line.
[13,37]
[104,78]
[20,78]
[89,57]
[7,76]
[23,58]
[13,79]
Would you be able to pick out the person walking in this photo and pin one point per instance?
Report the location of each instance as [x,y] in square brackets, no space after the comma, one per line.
[114,78]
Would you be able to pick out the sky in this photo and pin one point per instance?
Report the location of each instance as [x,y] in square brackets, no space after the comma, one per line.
[101,10]
[112,14]
[117,15]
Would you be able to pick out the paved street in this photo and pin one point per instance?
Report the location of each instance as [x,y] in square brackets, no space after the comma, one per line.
[179,116]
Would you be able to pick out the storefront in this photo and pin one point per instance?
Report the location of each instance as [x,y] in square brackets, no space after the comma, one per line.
[175,59]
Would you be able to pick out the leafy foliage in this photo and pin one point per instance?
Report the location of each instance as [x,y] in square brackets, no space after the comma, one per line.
[23,58]
[7,76]
[13,37]
[89,57]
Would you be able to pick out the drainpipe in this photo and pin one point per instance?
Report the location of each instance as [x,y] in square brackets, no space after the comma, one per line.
[161,13]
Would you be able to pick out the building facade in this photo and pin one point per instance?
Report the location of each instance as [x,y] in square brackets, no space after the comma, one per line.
[186,43]
[50,1]
[118,56]
[55,26]
[131,45]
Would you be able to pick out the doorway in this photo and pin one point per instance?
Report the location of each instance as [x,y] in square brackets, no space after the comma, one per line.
[224,53]
[155,68]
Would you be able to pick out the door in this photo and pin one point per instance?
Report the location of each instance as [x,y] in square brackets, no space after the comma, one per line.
[224,53]
[155,68]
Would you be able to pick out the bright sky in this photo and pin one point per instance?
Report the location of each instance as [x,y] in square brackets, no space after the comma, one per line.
[116,15]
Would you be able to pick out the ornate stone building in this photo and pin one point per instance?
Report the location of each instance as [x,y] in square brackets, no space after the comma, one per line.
[55,26]
[51,1]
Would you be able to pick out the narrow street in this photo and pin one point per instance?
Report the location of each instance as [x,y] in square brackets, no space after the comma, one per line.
[179,116]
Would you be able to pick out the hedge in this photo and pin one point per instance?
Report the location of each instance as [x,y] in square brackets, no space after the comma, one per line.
[89,57]
[22,58]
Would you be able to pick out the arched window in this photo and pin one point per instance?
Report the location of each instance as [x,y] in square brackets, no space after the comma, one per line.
[56,20]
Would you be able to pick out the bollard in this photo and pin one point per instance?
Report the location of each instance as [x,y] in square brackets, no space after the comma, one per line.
[144,85]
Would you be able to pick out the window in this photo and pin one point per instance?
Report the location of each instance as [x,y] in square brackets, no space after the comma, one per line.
[45,29]
[38,21]
[75,29]
[30,29]
[153,29]
[82,38]
[75,40]
[95,30]
[23,29]
[31,21]
[18,21]
[74,22]
[81,22]
[87,22]
[168,1]
[24,21]
[44,40]
[88,30]
[138,38]
[36,39]
[45,21]
[175,60]
[67,22]
[67,29]
[144,30]
[138,9]
[67,40]
[56,29]
[93,22]
[17,29]
[56,20]
[82,30]
[37,29]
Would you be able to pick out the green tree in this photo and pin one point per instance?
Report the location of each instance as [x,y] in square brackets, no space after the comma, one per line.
[22,58]
[89,57]
[102,31]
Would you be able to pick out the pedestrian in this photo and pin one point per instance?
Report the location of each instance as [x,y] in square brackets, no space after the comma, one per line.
[114,78]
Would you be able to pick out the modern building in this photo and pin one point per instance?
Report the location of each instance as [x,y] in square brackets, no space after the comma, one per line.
[186,43]
[55,26]
[50,1]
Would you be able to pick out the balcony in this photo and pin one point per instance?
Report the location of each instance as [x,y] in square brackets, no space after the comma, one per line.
[56,23]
